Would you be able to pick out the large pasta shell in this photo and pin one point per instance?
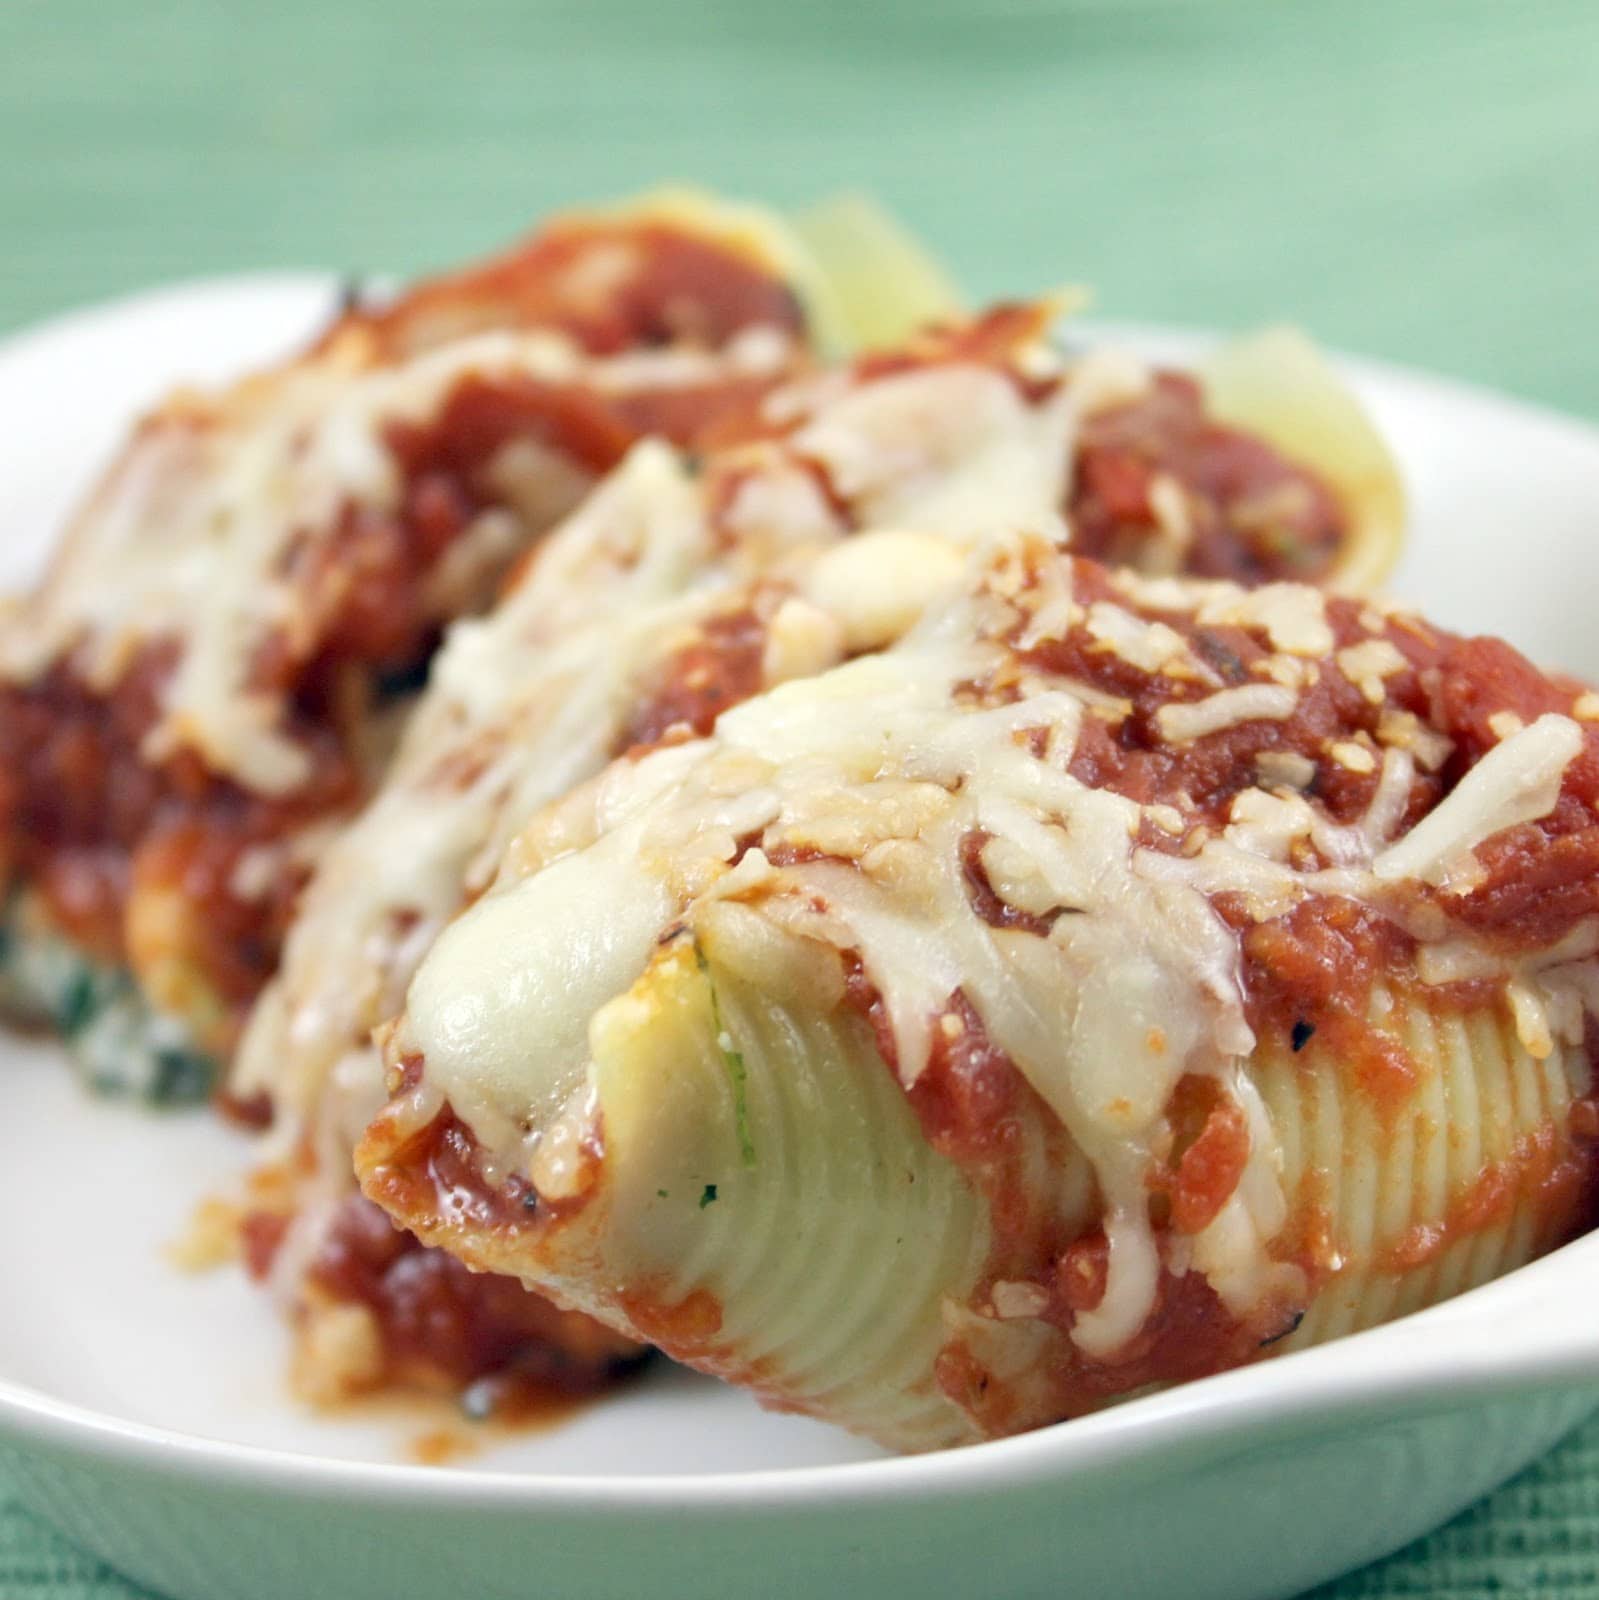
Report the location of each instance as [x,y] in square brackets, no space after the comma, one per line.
[765,1207]
[1471,1174]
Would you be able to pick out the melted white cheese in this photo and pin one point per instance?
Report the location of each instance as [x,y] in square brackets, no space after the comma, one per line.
[520,706]
[205,534]
[528,701]
[1134,987]
[958,450]
[511,987]
[1516,781]
[1185,721]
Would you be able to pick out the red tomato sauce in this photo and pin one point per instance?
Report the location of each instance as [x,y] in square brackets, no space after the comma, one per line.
[609,284]
[975,1106]
[443,1325]
[1316,965]
[87,818]
[719,668]
[1253,515]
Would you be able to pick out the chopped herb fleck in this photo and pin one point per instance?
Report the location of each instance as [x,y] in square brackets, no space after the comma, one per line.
[181,1077]
[660,1194]
[1303,1033]
[1218,655]
[707,1195]
[737,1075]
[79,1003]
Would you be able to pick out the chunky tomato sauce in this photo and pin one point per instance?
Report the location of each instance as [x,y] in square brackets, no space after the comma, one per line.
[610,285]
[1251,515]
[1247,512]
[975,1106]
[1316,965]
[719,668]
[1306,975]
[1204,776]
[1309,975]
[442,1324]
[1209,1150]
[87,819]
[436,1176]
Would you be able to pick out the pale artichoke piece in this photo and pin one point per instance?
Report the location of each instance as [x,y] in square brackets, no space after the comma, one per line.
[1278,384]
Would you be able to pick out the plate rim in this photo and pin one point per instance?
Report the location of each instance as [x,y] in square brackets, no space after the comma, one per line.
[1347,1377]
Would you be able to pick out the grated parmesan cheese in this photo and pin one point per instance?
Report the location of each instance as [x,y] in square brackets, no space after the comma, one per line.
[1352,756]
[1152,647]
[1366,665]
[1292,615]
[1285,769]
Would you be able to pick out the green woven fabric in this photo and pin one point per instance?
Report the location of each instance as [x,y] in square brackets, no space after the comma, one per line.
[1412,178]
[35,1561]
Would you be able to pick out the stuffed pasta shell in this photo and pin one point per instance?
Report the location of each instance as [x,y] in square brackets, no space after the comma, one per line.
[1112,981]
[211,671]
[816,529]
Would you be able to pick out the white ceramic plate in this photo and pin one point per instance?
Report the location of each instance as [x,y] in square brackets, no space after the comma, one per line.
[144,1410]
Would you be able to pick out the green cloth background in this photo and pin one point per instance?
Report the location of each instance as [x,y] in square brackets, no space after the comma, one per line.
[1417,179]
